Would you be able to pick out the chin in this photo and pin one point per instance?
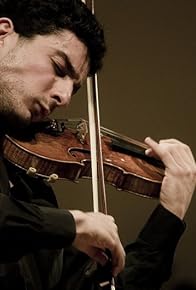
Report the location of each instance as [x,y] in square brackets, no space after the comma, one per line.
[17,122]
[36,119]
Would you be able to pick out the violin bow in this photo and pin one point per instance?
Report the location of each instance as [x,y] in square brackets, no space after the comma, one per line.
[98,183]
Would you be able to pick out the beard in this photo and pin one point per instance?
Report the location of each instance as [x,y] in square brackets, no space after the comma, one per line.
[10,122]
[12,116]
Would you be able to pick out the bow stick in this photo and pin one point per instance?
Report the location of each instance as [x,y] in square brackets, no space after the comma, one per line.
[98,183]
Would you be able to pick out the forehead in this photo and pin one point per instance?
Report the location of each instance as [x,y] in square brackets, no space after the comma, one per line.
[68,43]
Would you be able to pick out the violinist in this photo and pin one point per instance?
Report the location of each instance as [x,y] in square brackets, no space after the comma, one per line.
[47,50]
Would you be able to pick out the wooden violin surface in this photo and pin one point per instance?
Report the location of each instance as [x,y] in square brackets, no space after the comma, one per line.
[67,155]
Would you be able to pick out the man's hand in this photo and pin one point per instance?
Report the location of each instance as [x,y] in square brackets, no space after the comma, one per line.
[180,173]
[96,233]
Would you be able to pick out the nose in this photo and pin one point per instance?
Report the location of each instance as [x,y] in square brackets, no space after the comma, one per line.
[62,91]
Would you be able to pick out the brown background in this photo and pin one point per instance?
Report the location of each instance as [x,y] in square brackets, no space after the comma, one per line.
[147,87]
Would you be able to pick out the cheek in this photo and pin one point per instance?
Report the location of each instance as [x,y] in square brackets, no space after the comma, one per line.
[40,81]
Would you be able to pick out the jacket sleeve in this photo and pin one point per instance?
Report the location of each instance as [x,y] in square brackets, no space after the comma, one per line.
[28,225]
[149,259]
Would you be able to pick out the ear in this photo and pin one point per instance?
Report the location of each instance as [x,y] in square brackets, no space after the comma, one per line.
[6,28]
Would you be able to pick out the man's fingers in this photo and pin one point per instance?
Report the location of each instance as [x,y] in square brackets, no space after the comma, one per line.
[101,257]
[180,173]
[119,263]
[96,233]
[170,151]
[154,149]
[97,255]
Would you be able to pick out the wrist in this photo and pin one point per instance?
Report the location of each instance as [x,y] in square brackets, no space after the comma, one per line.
[79,218]
[176,209]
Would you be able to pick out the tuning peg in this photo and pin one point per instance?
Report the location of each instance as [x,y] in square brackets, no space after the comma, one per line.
[52,178]
[31,171]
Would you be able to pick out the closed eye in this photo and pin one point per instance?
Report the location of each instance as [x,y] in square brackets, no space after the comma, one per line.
[63,71]
[60,70]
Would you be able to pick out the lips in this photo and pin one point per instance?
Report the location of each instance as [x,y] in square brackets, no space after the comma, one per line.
[44,111]
[39,112]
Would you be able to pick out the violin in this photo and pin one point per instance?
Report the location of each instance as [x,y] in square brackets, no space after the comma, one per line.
[58,149]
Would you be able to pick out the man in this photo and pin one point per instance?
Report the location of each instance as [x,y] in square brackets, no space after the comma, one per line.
[47,49]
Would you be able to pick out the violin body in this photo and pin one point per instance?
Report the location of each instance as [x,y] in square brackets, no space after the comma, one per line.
[66,153]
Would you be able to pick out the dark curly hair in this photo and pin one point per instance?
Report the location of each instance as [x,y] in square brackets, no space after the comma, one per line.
[31,17]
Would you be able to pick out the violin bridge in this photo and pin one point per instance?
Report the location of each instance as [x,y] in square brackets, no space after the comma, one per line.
[82,131]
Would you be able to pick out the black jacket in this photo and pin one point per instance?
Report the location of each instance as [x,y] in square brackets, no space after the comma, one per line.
[36,238]
[148,260]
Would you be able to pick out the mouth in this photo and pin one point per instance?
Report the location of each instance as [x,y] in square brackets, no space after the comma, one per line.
[45,110]
[39,112]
